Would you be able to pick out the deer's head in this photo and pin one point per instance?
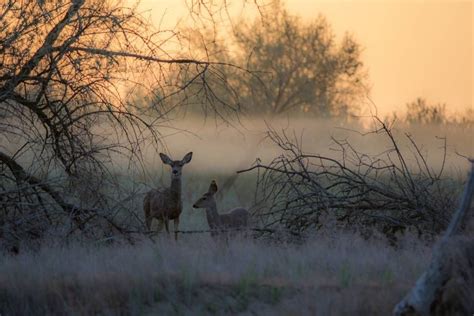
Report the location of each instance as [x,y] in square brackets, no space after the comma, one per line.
[176,165]
[207,198]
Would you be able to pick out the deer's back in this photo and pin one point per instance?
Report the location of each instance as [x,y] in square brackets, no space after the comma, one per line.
[162,203]
[238,217]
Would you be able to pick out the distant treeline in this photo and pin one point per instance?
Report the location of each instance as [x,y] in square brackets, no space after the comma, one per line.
[285,65]
[423,112]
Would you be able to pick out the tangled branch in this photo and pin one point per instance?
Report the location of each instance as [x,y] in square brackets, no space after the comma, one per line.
[299,190]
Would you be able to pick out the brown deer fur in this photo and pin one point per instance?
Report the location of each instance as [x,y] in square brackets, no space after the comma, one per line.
[236,219]
[165,204]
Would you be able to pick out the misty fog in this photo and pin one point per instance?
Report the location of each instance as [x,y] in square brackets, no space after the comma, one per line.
[227,147]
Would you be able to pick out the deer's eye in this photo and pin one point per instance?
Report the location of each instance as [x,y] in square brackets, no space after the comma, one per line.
[204,198]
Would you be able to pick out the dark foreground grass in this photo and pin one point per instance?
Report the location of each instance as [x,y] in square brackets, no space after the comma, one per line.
[328,275]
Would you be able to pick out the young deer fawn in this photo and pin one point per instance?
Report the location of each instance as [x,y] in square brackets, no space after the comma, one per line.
[165,204]
[236,219]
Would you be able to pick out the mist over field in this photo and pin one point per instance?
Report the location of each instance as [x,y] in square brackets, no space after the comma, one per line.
[228,147]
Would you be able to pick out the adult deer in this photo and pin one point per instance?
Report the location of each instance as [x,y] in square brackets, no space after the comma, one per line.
[236,219]
[165,204]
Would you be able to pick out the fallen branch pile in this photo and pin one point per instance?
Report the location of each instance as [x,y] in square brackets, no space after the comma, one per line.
[387,190]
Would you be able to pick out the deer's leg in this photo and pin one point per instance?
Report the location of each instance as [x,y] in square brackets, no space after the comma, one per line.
[148,220]
[160,225]
[176,226]
[228,235]
[146,210]
[167,225]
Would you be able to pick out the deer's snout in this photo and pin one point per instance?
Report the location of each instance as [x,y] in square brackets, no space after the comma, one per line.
[175,171]
[195,206]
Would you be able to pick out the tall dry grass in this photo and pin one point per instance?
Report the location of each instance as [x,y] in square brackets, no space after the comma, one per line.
[328,275]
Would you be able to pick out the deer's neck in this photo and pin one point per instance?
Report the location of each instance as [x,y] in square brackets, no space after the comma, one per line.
[212,215]
[175,188]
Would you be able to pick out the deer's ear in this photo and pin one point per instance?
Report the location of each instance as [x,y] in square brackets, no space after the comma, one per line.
[213,187]
[166,160]
[187,158]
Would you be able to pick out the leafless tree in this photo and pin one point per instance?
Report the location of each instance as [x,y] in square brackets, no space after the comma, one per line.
[65,67]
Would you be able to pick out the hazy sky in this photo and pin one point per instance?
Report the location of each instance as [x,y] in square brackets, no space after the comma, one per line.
[411,48]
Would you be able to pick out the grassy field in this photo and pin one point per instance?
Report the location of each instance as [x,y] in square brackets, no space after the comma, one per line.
[328,275]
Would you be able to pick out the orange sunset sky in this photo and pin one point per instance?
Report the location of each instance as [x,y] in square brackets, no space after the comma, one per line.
[411,48]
